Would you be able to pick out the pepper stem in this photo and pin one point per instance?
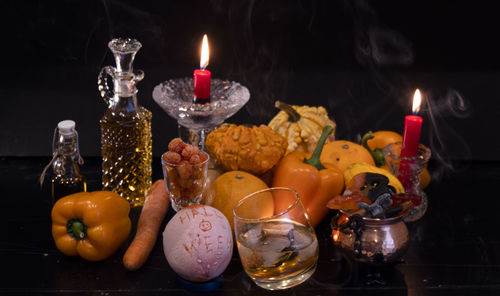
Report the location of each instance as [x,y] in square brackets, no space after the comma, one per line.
[76,228]
[377,153]
[314,160]
[293,115]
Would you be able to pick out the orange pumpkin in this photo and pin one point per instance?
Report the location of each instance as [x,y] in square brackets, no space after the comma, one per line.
[343,153]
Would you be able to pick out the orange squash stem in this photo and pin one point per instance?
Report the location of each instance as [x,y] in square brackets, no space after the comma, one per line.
[314,160]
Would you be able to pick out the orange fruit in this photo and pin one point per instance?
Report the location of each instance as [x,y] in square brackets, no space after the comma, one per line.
[425,178]
[383,138]
[209,192]
[343,153]
[232,186]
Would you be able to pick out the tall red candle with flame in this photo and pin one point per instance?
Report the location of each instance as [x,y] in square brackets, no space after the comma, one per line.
[413,127]
[411,140]
[201,77]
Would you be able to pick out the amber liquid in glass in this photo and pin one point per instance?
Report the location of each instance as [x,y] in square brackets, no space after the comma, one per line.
[127,155]
[62,186]
[270,251]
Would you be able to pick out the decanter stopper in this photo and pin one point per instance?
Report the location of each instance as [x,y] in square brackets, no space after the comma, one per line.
[121,80]
[124,50]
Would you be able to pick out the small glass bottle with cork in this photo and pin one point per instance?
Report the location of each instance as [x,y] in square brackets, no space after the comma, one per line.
[65,162]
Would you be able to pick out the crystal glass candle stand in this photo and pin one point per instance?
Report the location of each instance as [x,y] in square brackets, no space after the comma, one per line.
[195,121]
[408,171]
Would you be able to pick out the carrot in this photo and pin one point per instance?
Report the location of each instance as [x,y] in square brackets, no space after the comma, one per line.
[152,214]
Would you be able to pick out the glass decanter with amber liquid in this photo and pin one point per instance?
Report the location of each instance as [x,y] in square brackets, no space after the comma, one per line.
[125,127]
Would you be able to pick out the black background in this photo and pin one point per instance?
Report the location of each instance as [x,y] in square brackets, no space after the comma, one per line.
[360,59]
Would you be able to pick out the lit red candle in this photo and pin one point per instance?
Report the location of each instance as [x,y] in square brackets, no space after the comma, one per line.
[201,77]
[411,141]
[413,127]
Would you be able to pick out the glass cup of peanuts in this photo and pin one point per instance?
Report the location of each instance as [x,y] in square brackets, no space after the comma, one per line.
[185,172]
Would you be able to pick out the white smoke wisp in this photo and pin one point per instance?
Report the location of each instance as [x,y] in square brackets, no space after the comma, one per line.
[440,113]
[389,47]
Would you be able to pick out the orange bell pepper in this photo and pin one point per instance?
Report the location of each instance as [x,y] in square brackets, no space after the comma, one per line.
[315,183]
[90,224]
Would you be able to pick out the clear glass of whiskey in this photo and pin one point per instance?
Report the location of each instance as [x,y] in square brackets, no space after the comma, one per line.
[277,245]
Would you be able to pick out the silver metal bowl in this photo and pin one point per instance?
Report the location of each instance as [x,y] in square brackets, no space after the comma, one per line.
[370,239]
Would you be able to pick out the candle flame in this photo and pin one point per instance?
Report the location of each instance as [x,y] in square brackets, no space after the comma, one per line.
[417,100]
[204,53]
[335,235]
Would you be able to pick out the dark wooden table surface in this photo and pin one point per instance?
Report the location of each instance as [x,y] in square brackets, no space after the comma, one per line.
[454,250]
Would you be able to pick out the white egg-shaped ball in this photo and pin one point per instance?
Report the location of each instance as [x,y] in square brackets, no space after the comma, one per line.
[198,243]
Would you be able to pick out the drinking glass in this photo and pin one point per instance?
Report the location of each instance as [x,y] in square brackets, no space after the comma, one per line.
[185,181]
[277,245]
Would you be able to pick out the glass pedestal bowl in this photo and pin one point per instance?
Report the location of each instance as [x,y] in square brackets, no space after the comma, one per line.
[195,121]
